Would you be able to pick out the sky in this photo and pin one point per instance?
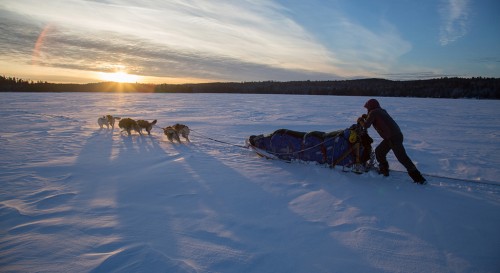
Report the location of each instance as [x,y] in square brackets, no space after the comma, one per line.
[191,41]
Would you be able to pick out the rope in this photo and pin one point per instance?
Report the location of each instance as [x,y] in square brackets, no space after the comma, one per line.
[216,140]
[490,183]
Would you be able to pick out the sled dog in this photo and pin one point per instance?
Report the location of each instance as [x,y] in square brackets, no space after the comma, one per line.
[144,124]
[103,121]
[111,120]
[128,124]
[173,132]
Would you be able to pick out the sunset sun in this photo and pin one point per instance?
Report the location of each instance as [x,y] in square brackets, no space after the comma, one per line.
[121,77]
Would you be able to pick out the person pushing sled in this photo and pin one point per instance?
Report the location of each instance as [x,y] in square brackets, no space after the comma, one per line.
[392,139]
[349,148]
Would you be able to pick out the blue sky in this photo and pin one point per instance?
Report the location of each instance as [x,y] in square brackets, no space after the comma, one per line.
[181,41]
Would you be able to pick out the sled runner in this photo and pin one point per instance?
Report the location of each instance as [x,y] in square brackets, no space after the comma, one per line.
[349,148]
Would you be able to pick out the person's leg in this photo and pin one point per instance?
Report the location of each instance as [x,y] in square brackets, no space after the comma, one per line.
[381,154]
[400,153]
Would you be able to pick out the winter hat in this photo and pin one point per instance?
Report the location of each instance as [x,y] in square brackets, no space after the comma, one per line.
[372,104]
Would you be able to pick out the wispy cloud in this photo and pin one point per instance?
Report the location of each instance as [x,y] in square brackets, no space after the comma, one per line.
[455,17]
[220,32]
[364,49]
[212,40]
[359,47]
[105,51]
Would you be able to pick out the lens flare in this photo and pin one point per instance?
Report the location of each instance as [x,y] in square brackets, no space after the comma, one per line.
[35,58]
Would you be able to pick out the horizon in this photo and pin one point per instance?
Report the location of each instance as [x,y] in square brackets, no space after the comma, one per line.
[172,42]
[242,82]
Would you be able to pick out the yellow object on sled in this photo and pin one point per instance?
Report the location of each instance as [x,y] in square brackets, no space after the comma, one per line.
[353,136]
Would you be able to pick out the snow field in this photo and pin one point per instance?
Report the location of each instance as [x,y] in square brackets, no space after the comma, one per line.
[76,198]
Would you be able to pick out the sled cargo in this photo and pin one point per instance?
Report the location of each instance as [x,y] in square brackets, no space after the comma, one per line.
[349,147]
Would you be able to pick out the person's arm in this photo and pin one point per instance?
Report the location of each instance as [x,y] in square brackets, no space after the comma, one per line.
[361,120]
[370,118]
[366,120]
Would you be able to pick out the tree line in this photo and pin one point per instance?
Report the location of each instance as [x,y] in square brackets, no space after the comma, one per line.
[476,87]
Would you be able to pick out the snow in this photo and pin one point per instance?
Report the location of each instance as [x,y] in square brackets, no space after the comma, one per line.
[76,198]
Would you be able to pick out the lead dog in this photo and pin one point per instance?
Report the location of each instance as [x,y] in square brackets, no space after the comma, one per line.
[173,132]
[103,121]
[128,124]
[144,124]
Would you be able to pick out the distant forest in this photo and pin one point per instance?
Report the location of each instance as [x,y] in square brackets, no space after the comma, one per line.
[479,88]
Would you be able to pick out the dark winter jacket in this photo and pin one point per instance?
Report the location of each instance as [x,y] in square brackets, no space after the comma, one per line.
[381,120]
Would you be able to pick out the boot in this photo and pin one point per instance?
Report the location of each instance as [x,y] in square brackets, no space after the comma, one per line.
[417,177]
[383,169]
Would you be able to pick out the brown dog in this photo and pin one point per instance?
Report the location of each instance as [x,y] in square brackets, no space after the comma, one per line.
[183,130]
[128,124]
[173,132]
[111,120]
[144,124]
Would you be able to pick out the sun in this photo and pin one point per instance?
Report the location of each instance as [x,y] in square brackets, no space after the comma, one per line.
[120,76]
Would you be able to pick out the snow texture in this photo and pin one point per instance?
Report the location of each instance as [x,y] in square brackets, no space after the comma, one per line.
[77,198]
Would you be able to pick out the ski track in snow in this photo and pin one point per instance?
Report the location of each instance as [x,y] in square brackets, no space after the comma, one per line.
[76,198]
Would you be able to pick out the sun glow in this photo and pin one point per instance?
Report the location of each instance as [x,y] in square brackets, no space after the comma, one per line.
[120,76]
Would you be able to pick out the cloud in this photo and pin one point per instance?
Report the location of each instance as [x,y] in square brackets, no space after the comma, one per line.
[105,51]
[367,50]
[359,47]
[17,37]
[253,33]
[455,17]
[214,40]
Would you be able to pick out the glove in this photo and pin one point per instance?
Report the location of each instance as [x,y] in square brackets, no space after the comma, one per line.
[361,120]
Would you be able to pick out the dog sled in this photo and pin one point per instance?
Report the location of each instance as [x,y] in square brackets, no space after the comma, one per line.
[349,148]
